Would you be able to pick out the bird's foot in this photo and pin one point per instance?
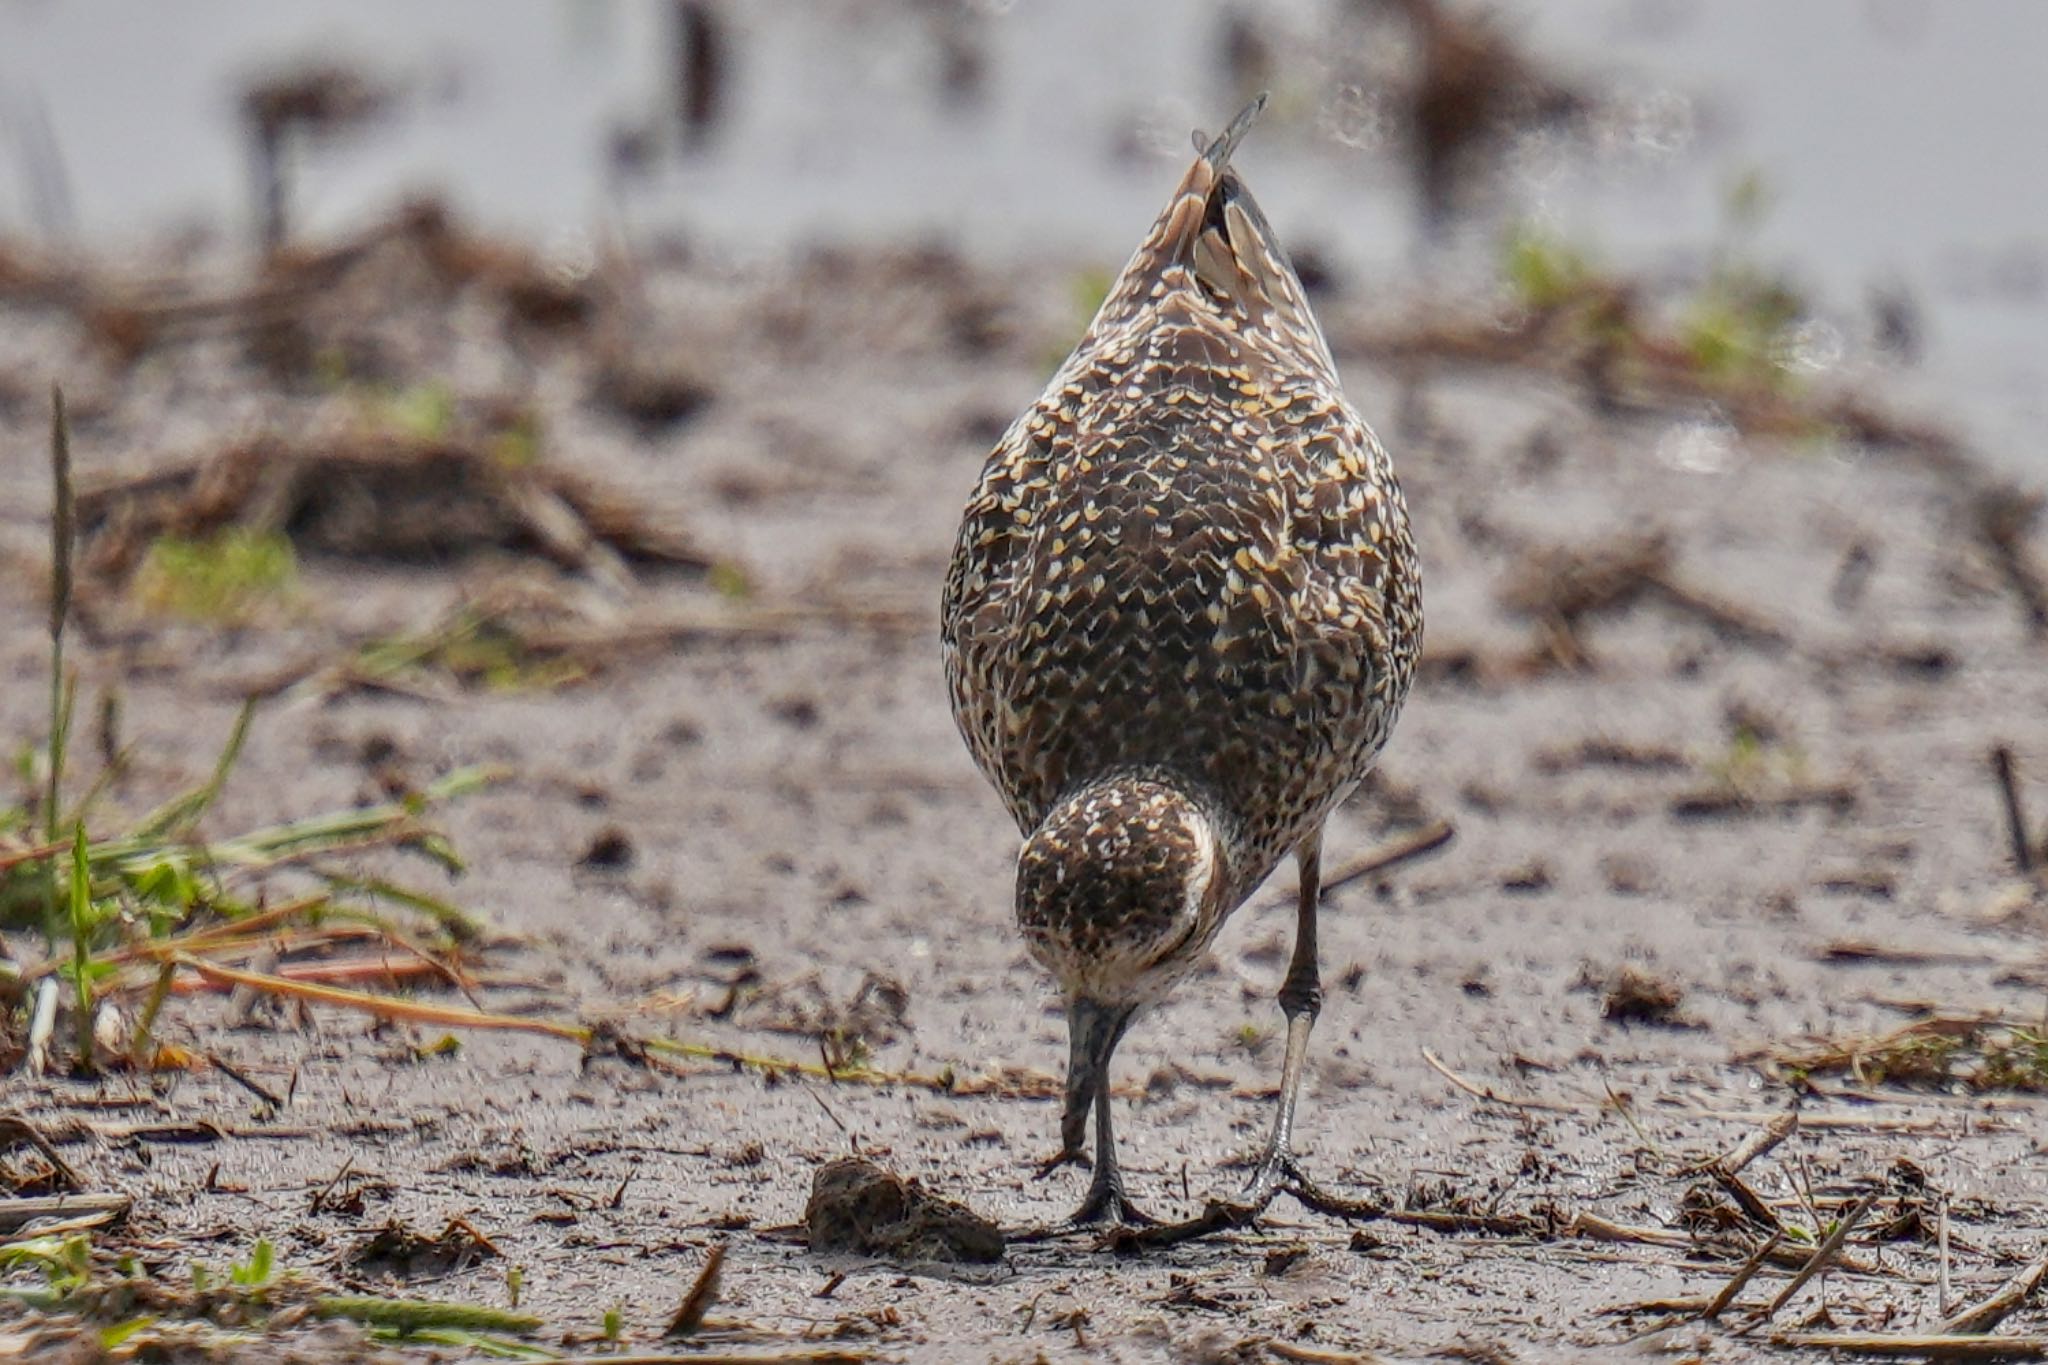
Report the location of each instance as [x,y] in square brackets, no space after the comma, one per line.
[1060,1160]
[1275,1172]
[1275,1175]
[1219,1215]
[1106,1202]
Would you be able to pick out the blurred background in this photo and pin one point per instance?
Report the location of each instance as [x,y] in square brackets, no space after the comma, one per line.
[1882,154]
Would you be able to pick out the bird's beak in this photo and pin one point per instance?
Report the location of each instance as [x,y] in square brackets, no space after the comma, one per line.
[1093,1031]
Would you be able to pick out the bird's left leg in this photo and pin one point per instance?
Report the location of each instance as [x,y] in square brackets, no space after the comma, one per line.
[1301,999]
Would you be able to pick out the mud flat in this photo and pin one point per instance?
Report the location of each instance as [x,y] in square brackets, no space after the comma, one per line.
[1708,715]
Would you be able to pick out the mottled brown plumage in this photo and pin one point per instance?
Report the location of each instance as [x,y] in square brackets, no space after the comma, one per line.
[1180,620]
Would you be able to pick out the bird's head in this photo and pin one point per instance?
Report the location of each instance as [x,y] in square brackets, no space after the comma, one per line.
[1120,888]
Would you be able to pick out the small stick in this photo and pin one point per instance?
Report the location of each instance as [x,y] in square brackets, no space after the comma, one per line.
[387,1007]
[1758,1144]
[1486,1093]
[1948,1298]
[1982,1317]
[460,1224]
[1309,1355]
[852,1142]
[235,1074]
[1595,1228]
[2015,814]
[1822,1257]
[17,1128]
[1723,616]
[1742,1277]
[818,1355]
[1937,1348]
[1738,1189]
[19,1213]
[1841,1123]
[319,1204]
[1428,839]
[63,535]
[703,1293]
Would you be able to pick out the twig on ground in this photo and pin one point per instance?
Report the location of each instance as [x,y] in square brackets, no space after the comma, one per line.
[2015,813]
[1598,1229]
[1478,1091]
[1310,1355]
[1751,1204]
[1932,1348]
[1823,1256]
[18,1213]
[1948,1298]
[16,1128]
[235,1074]
[1740,1280]
[386,1007]
[318,1203]
[1758,1144]
[703,1293]
[1987,1314]
[821,1355]
[1428,839]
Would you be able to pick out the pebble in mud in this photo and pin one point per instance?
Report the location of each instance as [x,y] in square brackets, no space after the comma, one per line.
[858,1206]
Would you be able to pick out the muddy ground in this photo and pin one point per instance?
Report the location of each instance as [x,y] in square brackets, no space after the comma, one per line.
[1789,818]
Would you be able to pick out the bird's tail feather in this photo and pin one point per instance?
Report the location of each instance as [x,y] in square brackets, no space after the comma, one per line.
[1212,237]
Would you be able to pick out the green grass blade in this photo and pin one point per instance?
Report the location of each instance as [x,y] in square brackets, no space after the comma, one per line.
[178,815]
[413,1315]
[477,1343]
[455,920]
[82,926]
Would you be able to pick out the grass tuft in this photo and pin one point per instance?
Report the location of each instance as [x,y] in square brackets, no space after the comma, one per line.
[1974,1055]
[1542,270]
[228,577]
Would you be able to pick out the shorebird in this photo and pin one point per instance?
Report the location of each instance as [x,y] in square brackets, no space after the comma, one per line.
[1180,620]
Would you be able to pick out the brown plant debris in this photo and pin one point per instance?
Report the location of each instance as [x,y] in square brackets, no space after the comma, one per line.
[1564,587]
[1636,996]
[703,1292]
[2003,518]
[1975,1053]
[1928,1347]
[398,1251]
[1470,87]
[858,1206]
[873,1014]
[380,496]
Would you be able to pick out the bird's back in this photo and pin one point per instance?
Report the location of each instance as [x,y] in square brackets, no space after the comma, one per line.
[1190,556]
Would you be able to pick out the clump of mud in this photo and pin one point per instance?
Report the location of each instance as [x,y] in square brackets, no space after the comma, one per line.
[858,1206]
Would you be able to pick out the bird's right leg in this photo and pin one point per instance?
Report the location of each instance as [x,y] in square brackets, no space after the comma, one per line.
[1093,1032]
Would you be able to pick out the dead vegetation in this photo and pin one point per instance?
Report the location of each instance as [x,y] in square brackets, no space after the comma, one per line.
[380,497]
[1637,996]
[856,1206]
[1971,1054]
